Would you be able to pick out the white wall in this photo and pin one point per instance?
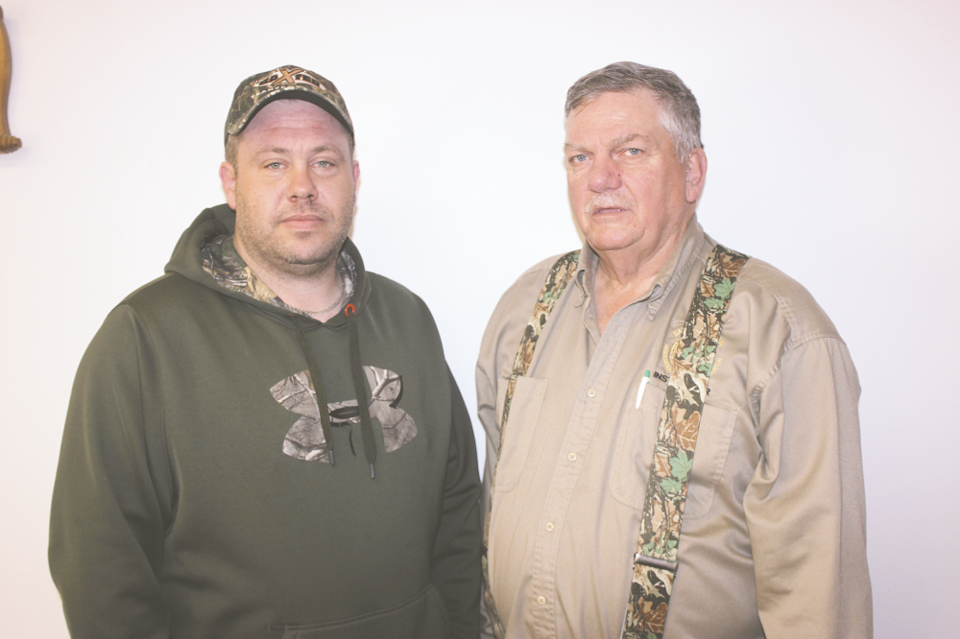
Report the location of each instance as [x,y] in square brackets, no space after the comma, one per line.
[832,132]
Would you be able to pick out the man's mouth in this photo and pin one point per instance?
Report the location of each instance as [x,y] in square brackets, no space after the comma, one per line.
[307,214]
[608,204]
[303,221]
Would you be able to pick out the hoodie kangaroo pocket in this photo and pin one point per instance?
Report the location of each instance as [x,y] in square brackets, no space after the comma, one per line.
[423,616]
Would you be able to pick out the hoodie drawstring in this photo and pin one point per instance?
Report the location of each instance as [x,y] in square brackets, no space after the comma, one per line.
[360,388]
[317,388]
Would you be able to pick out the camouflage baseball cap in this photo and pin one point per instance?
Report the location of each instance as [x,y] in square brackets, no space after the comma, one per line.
[286,82]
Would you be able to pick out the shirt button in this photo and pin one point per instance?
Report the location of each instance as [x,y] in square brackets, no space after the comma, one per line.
[572,457]
[591,393]
[541,600]
[549,527]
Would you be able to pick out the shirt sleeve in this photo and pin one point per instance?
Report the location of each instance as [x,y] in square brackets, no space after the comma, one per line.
[112,495]
[805,502]
[456,557]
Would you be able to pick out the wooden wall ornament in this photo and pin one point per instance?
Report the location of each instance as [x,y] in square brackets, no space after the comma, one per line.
[8,143]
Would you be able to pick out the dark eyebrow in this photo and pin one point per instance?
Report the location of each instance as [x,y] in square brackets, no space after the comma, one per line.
[314,151]
[333,149]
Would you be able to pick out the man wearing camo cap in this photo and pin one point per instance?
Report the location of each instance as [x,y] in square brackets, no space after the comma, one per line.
[266,441]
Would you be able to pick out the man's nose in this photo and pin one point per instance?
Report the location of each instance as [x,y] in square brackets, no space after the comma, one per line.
[302,186]
[604,175]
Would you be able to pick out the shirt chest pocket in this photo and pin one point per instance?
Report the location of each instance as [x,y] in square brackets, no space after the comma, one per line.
[517,438]
[637,436]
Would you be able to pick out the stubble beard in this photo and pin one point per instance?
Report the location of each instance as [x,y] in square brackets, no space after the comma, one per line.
[261,241]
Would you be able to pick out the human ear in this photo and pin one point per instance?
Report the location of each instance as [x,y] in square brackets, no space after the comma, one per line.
[696,175]
[228,179]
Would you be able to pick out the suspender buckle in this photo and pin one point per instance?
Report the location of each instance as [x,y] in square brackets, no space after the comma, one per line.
[655,562]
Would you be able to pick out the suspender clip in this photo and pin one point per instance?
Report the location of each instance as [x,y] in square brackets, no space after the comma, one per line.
[655,562]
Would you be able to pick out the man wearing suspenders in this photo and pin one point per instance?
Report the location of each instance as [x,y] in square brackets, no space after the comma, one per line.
[673,444]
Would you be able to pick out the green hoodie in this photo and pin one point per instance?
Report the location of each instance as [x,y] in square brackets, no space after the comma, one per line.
[195,495]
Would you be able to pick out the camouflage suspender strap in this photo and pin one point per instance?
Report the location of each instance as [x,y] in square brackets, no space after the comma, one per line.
[655,563]
[557,279]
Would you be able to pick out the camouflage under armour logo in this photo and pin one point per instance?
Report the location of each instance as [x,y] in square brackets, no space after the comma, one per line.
[305,438]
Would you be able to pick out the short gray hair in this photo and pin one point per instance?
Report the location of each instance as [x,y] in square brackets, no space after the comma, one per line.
[679,112]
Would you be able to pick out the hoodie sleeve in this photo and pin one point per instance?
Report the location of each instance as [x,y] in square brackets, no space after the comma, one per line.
[456,555]
[113,492]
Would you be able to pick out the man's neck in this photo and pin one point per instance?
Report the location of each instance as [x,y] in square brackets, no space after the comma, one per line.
[317,291]
[625,276]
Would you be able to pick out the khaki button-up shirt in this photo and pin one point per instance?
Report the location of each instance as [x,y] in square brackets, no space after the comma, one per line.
[773,538]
